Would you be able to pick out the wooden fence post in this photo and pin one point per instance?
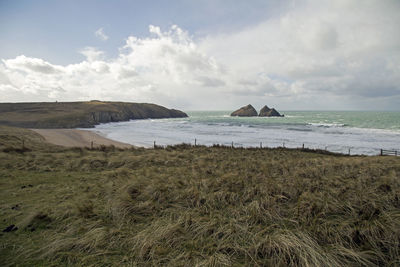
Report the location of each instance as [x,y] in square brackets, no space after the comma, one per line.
[381,152]
[260,144]
[232,144]
[195,142]
[154,146]
[303,145]
[349,151]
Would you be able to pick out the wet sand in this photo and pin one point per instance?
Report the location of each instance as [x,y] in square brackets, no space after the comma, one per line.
[77,138]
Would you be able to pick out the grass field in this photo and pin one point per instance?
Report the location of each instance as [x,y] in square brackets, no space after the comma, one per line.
[186,206]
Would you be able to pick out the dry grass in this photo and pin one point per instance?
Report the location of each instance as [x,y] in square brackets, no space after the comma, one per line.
[186,206]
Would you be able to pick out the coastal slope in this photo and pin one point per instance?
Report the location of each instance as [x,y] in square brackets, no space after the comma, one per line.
[194,206]
[79,114]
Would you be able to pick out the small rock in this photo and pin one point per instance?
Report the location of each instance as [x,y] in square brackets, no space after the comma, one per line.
[10,228]
[16,207]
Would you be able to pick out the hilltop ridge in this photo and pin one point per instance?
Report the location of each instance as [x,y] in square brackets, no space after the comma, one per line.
[79,114]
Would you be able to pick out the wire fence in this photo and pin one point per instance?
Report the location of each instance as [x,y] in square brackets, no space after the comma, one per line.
[284,144]
[232,144]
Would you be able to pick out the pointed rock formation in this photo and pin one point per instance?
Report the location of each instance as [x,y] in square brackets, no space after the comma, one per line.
[269,112]
[246,111]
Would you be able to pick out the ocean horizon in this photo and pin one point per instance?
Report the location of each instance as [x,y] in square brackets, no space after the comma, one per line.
[363,132]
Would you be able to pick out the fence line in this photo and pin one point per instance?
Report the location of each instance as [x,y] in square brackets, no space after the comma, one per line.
[261,146]
[383,152]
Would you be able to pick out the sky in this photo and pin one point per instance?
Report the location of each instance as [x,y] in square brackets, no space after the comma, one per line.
[203,55]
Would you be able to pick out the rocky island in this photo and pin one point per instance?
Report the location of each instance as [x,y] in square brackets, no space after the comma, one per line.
[250,111]
[79,114]
[269,112]
[246,111]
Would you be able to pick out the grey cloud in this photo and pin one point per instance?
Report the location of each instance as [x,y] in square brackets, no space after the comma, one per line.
[126,73]
[210,82]
[4,78]
[43,68]
[324,36]
[193,61]
[258,88]
[247,82]
[380,91]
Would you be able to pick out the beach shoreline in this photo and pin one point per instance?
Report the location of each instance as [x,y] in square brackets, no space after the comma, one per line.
[77,138]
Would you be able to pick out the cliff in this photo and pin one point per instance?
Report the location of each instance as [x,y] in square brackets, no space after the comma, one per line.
[79,114]
[246,111]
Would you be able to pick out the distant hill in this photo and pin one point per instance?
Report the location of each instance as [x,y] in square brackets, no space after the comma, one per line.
[79,114]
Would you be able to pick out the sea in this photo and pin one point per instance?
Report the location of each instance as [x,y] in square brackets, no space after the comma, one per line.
[354,132]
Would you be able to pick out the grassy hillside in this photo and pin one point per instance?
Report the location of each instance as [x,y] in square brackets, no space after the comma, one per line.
[186,206]
[78,114]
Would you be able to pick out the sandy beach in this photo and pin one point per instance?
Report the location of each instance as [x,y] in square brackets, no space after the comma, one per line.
[77,138]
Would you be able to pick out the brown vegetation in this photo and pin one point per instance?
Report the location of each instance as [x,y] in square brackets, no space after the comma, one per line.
[205,206]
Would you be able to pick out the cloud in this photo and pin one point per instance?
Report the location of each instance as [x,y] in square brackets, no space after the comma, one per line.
[162,67]
[27,64]
[91,53]
[101,35]
[210,82]
[316,55]
[320,49]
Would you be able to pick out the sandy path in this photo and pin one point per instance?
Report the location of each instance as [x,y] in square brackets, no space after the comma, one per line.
[77,138]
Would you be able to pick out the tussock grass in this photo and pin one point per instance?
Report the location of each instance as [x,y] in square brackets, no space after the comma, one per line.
[198,206]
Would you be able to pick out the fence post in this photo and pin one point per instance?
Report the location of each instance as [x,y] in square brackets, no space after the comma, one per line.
[303,145]
[195,142]
[349,151]
[283,144]
[260,144]
[154,144]
[381,152]
[232,144]
[395,152]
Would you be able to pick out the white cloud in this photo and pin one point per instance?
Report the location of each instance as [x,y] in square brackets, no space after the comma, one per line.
[101,35]
[92,53]
[27,64]
[320,54]
[159,68]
